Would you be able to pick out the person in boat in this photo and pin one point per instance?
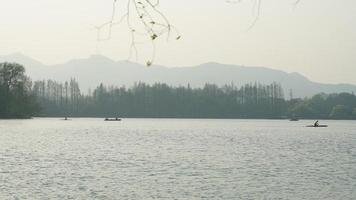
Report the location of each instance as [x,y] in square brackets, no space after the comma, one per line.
[316,124]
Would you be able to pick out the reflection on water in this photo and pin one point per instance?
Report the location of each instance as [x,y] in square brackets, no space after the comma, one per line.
[176,159]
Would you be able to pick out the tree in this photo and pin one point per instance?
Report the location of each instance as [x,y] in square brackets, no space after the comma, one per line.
[16,99]
[302,109]
[341,112]
[11,74]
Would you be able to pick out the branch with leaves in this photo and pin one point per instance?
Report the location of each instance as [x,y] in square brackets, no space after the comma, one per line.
[144,19]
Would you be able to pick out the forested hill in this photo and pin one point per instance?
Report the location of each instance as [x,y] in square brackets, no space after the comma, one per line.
[94,70]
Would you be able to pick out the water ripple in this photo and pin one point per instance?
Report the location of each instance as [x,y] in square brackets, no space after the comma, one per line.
[176,159]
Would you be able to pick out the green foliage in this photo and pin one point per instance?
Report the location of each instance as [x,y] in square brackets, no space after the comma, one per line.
[302,109]
[323,106]
[16,100]
[161,100]
[341,111]
[58,99]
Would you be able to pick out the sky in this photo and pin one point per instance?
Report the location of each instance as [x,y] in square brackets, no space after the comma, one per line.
[316,38]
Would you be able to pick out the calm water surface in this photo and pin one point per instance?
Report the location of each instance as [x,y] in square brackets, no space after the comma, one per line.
[176,159]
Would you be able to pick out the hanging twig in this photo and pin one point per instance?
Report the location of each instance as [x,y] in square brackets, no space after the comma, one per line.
[152,21]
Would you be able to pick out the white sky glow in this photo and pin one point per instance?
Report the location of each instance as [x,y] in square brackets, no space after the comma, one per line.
[317,38]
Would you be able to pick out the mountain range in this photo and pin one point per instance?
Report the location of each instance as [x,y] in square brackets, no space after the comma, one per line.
[96,69]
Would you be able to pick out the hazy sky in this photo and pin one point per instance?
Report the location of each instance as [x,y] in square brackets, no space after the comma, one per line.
[317,38]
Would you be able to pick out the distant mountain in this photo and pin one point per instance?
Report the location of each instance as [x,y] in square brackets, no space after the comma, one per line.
[92,71]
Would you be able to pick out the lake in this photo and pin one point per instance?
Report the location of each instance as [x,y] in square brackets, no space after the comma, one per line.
[176,159]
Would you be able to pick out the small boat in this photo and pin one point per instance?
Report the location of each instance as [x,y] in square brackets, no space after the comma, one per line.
[293,118]
[112,120]
[319,126]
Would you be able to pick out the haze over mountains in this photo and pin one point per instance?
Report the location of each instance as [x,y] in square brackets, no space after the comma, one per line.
[92,71]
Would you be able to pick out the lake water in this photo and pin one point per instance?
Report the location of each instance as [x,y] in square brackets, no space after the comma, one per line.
[176,159]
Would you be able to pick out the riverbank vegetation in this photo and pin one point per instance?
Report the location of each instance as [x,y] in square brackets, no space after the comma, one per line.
[161,100]
[325,106]
[20,98]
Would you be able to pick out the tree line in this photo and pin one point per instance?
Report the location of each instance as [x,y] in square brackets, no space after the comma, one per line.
[161,100]
[20,98]
[325,106]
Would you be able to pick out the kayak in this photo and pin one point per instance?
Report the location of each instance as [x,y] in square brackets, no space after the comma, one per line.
[112,120]
[319,126]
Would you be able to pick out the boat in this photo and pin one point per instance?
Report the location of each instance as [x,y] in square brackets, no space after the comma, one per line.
[319,126]
[293,118]
[112,120]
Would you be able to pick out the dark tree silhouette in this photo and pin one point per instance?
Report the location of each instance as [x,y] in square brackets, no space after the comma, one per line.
[16,100]
[161,100]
